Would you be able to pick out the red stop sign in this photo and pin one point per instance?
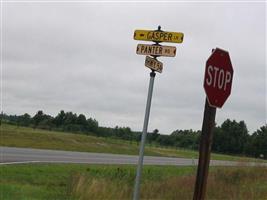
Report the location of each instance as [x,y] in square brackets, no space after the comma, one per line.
[218,77]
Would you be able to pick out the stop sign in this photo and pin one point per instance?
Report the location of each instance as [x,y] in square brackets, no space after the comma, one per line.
[218,77]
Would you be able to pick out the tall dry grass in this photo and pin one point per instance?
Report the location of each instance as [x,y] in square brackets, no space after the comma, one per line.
[231,183]
[234,183]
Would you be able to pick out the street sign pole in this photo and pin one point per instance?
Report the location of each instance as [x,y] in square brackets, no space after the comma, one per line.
[143,140]
[204,151]
[155,50]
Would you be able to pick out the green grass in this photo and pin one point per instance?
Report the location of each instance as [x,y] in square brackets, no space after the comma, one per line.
[58,181]
[76,181]
[14,136]
[34,181]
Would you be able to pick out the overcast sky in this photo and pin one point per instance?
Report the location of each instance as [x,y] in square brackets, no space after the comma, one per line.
[81,57]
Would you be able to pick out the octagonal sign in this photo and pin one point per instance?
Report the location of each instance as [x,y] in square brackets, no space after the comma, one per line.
[218,77]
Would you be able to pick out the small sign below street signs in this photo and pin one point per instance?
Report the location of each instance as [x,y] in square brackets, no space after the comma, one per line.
[155,50]
[158,36]
[218,77]
[154,64]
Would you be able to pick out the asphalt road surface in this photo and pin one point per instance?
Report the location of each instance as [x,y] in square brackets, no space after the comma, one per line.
[10,155]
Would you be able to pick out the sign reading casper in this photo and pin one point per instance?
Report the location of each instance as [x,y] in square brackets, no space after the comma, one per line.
[158,36]
[218,77]
[153,64]
[156,50]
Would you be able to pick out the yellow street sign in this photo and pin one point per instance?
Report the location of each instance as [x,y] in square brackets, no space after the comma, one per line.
[154,64]
[158,36]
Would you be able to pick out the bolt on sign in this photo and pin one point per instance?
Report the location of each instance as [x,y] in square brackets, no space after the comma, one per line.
[218,77]
[156,50]
[158,36]
[153,64]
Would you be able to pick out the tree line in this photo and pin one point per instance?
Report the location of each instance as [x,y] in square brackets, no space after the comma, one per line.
[231,137]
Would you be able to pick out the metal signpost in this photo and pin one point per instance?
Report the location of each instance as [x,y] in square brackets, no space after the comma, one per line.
[143,139]
[217,84]
[155,51]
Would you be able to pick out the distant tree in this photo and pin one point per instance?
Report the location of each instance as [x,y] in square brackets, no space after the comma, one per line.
[81,120]
[38,117]
[13,119]
[128,135]
[258,143]
[186,138]
[1,118]
[46,123]
[218,144]
[60,118]
[82,123]
[24,120]
[42,120]
[92,125]
[138,136]
[152,137]
[165,140]
[231,137]
[122,133]
[70,119]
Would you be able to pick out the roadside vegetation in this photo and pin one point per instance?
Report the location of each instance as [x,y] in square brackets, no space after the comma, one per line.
[230,138]
[14,136]
[73,182]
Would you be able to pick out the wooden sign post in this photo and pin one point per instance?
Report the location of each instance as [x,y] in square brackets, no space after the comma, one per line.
[217,84]
[204,151]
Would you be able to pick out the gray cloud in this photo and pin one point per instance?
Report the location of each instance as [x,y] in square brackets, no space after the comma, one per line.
[81,57]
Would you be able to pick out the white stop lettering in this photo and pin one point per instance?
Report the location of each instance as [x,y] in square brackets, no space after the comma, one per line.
[218,78]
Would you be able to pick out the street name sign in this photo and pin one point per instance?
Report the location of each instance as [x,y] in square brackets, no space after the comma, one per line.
[158,36]
[218,77]
[153,64]
[156,50]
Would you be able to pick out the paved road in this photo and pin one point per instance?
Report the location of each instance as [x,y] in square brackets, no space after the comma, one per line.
[10,155]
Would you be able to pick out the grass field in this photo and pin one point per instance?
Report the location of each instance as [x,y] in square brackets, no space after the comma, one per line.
[73,182]
[14,136]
